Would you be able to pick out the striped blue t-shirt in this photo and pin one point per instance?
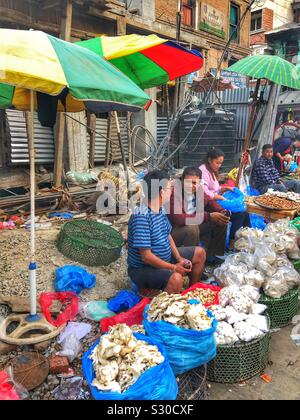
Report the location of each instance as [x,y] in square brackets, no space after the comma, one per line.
[148,230]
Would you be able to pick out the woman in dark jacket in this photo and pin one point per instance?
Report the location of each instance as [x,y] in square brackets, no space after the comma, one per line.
[187,231]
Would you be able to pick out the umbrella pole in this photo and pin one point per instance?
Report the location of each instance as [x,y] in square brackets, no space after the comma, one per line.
[32,266]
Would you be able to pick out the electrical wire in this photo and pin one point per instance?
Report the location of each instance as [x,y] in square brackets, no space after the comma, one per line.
[232,36]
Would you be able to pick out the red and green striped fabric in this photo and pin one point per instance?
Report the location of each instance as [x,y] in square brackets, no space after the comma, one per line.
[147,60]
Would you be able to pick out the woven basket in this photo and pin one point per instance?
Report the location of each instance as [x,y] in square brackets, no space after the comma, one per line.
[192,385]
[239,362]
[281,311]
[90,243]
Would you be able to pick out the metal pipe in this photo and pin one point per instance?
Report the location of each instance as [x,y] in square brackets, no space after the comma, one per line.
[32,266]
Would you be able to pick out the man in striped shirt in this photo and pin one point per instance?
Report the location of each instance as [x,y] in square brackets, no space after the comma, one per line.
[154,260]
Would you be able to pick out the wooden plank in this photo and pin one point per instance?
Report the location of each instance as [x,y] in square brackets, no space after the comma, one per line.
[92,121]
[65,33]
[78,159]
[272,215]
[66,20]
[59,149]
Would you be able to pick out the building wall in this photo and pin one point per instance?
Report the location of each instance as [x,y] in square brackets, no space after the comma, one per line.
[275,13]
[166,12]
[282,11]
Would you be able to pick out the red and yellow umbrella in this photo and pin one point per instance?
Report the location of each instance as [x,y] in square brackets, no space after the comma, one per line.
[147,60]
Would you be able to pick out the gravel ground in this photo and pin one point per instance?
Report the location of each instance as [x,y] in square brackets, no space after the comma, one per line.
[15,258]
[14,263]
[47,390]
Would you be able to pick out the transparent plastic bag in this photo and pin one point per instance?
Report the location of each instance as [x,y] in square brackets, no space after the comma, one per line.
[71,347]
[225,334]
[9,389]
[247,332]
[276,286]
[254,278]
[95,310]
[258,321]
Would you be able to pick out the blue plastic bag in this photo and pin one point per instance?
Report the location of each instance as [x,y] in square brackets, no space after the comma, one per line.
[186,349]
[235,201]
[72,278]
[257,222]
[156,383]
[124,300]
[62,215]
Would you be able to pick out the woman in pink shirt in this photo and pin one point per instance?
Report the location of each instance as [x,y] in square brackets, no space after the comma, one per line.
[210,179]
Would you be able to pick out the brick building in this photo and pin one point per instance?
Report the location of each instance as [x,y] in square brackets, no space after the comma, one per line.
[206,27]
[206,23]
[266,16]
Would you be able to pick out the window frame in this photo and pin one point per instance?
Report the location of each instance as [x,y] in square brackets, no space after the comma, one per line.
[255,19]
[191,6]
[231,25]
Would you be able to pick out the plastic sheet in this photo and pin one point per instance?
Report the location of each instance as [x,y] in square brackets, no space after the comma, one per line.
[9,389]
[70,299]
[132,317]
[156,383]
[205,287]
[186,349]
[234,201]
[73,279]
[95,310]
[124,300]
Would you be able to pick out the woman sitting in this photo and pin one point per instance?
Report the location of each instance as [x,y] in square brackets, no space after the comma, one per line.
[198,218]
[212,188]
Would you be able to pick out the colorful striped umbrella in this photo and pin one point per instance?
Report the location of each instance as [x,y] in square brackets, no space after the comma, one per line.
[147,60]
[36,61]
[32,61]
[270,67]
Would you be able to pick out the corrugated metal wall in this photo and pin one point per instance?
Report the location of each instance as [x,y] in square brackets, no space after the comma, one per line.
[101,135]
[44,140]
[162,129]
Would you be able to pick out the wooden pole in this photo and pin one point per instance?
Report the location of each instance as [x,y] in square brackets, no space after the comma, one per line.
[129,137]
[66,20]
[120,142]
[92,121]
[65,34]
[108,141]
[251,125]
[59,149]
[178,33]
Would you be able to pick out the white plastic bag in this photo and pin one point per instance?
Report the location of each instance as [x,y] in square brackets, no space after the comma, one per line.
[258,321]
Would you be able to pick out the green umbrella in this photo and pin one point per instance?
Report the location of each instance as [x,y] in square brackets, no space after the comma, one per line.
[269,67]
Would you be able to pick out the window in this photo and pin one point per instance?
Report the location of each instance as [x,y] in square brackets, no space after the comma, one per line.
[188,9]
[256,20]
[234,21]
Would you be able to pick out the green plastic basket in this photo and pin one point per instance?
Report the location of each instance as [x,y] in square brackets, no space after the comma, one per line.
[239,362]
[295,223]
[90,243]
[281,311]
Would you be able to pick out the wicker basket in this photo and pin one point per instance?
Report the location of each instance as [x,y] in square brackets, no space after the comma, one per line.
[90,243]
[192,385]
[239,362]
[281,311]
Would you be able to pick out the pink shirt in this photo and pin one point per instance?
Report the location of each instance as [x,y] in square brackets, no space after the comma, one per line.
[210,184]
